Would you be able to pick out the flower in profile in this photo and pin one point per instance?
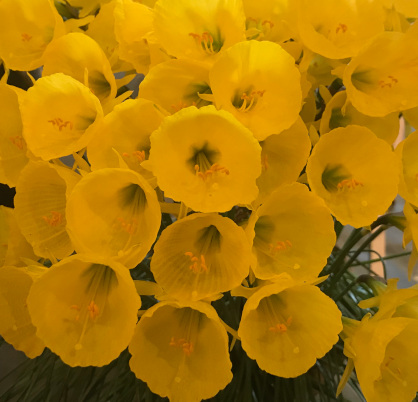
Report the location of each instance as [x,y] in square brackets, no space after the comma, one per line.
[15,322]
[12,145]
[113,213]
[287,325]
[382,78]
[355,173]
[339,112]
[198,30]
[180,350]
[136,119]
[206,159]
[75,52]
[200,256]
[288,237]
[407,151]
[59,116]
[133,23]
[259,84]
[339,29]
[26,28]
[283,157]
[41,196]
[384,355]
[176,84]
[85,309]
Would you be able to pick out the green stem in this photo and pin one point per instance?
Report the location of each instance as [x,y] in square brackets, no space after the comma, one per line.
[389,257]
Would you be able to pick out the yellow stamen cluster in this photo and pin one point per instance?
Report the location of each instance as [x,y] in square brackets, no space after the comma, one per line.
[251,100]
[139,155]
[280,246]
[389,83]
[55,219]
[198,264]
[18,141]
[205,41]
[60,124]
[281,327]
[129,227]
[349,184]
[187,347]
[211,172]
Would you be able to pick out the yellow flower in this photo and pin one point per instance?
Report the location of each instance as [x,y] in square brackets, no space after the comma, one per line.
[12,145]
[14,248]
[181,351]
[385,356]
[338,29]
[72,54]
[15,322]
[259,84]
[339,112]
[136,119]
[407,152]
[200,256]
[113,213]
[85,309]
[269,20]
[133,22]
[355,173]
[40,201]
[286,326]
[176,84]
[198,29]
[289,237]
[283,156]
[383,78]
[206,159]
[59,116]
[26,28]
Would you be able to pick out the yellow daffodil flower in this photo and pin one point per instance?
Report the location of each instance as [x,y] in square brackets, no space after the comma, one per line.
[288,237]
[198,30]
[355,173]
[13,147]
[59,116]
[286,326]
[15,322]
[40,201]
[384,355]
[180,350]
[199,256]
[26,28]
[113,213]
[339,112]
[206,159]
[383,77]
[338,29]
[407,152]
[176,84]
[85,309]
[259,84]
[73,54]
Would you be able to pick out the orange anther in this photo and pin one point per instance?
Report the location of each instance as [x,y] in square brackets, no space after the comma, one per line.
[279,327]
[26,37]
[198,265]
[349,184]
[250,101]
[280,246]
[18,141]
[268,22]
[93,310]
[60,124]
[205,41]
[216,168]
[129,227]
[264,162]
[341,27]
[389,83]
[55,219]
[182,343]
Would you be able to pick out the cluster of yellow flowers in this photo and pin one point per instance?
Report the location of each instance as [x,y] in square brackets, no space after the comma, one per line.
[282,111]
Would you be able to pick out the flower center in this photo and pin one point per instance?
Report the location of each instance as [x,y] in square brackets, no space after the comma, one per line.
[26,37]
[207,43]
[212,171]
[388,82]
[60,124]
[349,184]
[282,327]
[257,29]
[187,347]
[250,101]
[137,155]
[18,141]
[280,246]
[55,219]
[198,265]
[341,28]
[128,226]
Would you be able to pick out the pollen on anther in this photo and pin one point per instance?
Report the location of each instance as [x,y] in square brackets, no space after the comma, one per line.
[18,141]
[55,219]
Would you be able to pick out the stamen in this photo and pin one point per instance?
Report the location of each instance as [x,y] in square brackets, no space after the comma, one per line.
[204,41]
[279,327]
[197,265]
[269,23]
[397,375]
[18,141]
[26,37]
[178,106]
[60,124]
[280,246]
[264,162]
[341,28]
[252,100]
[349,184]
[139,155]
[55,219]
[391,80]
[215,169]
[187,347]
[129,227]
[93,310]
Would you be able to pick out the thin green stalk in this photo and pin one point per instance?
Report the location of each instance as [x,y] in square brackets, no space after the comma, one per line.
[389,257]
